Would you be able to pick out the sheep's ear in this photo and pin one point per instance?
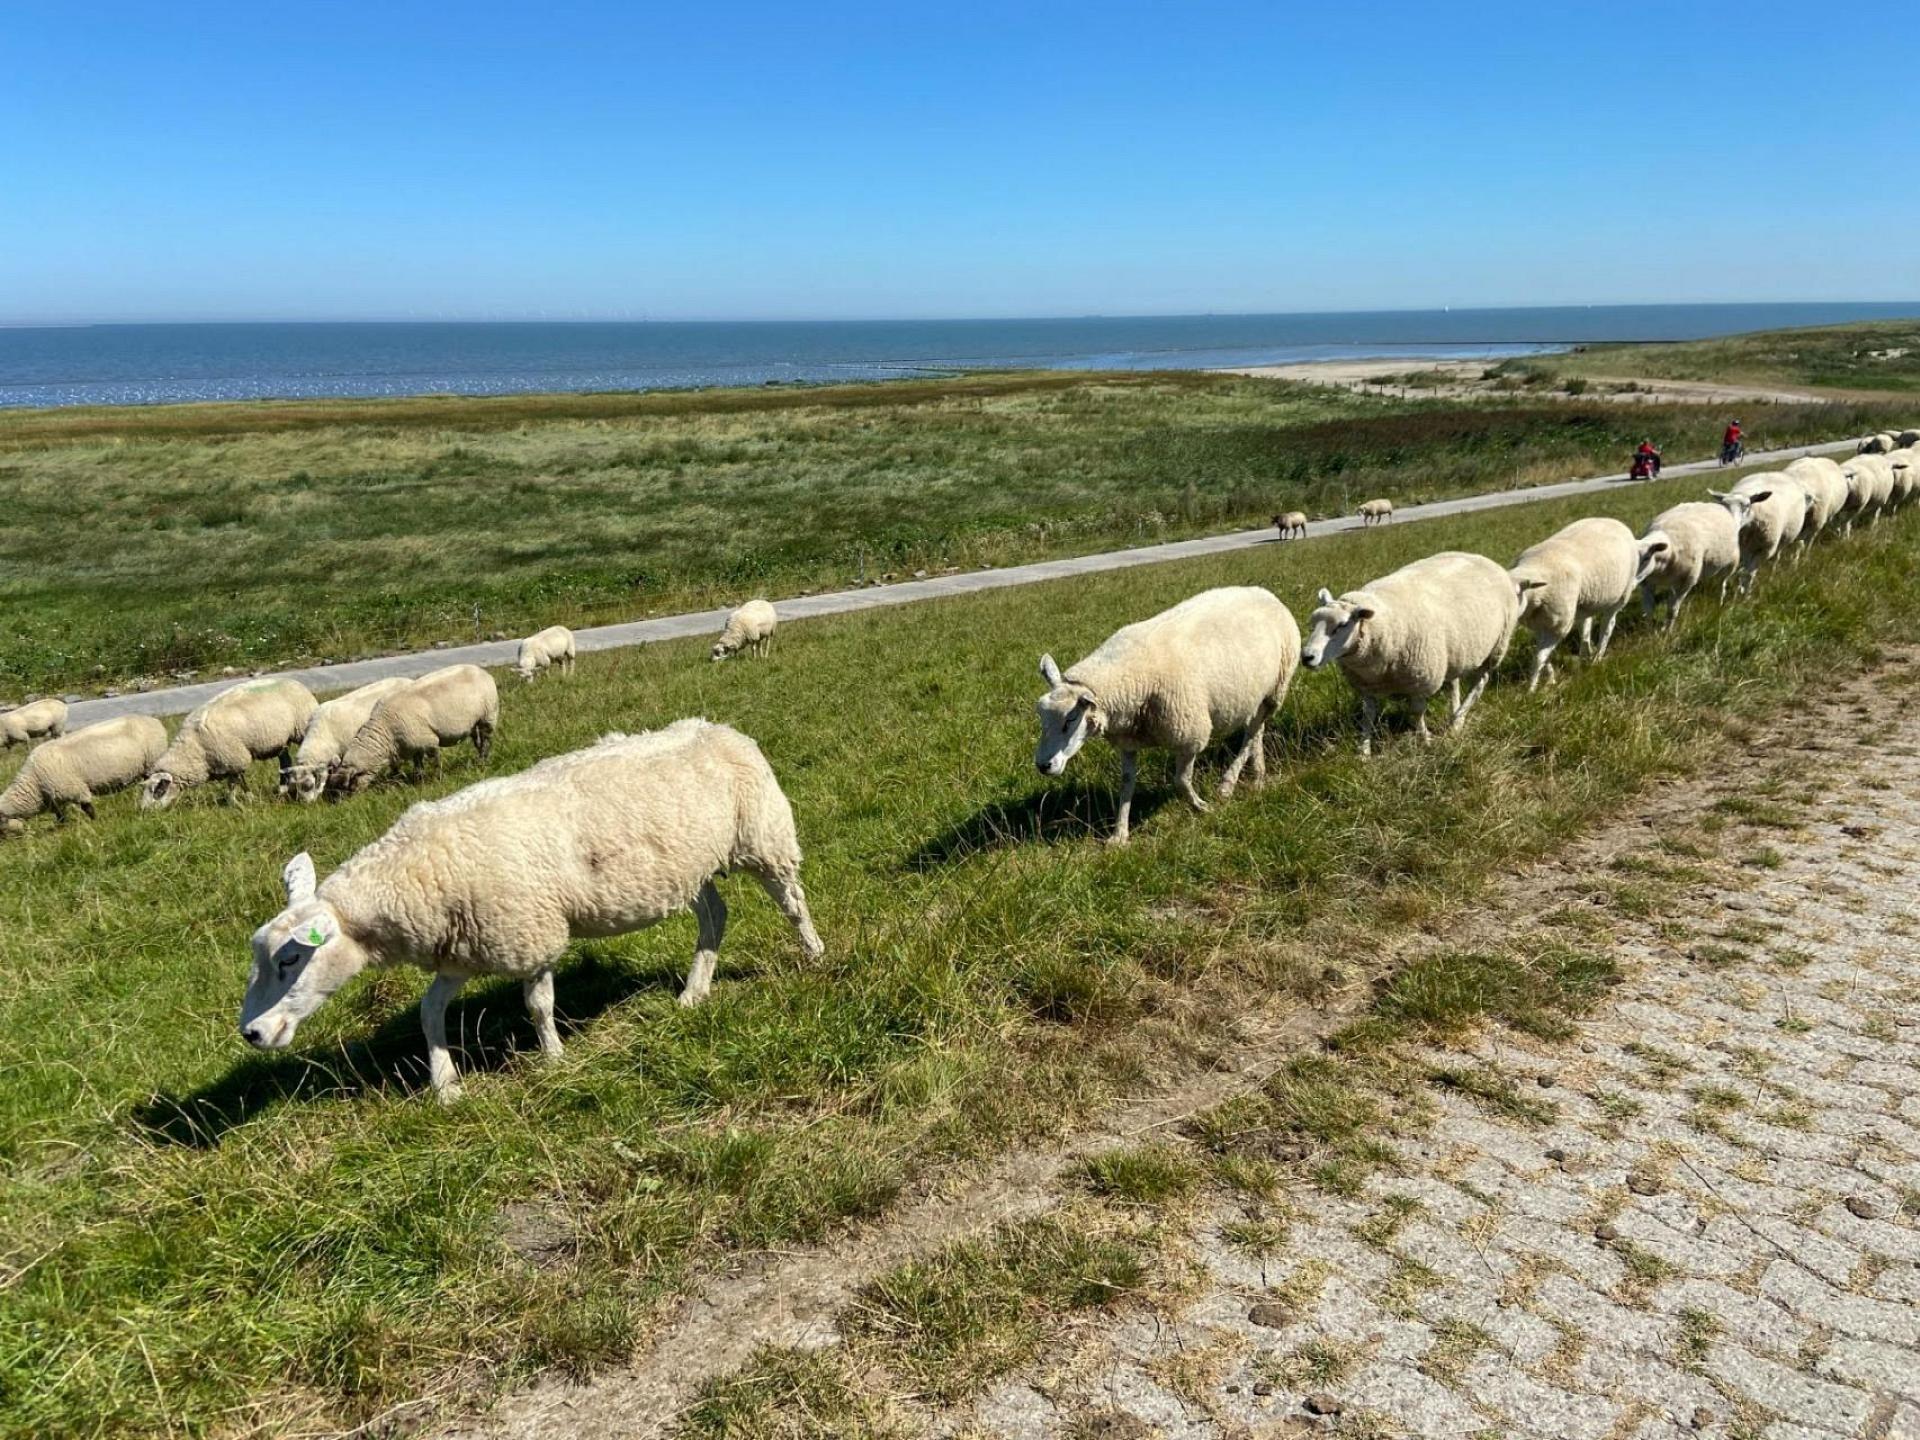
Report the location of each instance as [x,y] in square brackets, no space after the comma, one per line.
[1526,585]
[298,878]
[1325,597]
[1361,612]
[1760,498]
[1717,494]
[1654,547]
[1050,672]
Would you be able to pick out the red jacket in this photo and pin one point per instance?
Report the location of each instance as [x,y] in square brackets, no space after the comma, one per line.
[1732,435]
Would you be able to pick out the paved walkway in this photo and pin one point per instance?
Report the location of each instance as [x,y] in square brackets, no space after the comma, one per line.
[1709,1224]
[325,678]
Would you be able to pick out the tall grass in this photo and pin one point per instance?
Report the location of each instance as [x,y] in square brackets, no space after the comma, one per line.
[196,1239]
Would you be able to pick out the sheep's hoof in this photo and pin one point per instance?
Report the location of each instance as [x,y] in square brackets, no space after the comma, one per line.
[450,1093]
[691,997]
[1118,838]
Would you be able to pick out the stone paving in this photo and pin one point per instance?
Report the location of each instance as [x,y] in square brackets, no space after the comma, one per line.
[1710,1227]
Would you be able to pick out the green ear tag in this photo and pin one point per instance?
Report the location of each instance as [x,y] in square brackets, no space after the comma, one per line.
[316,937]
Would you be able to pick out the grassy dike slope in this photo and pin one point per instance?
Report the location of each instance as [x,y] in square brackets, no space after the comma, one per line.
[196,1240]
[155,541]
[1881,358]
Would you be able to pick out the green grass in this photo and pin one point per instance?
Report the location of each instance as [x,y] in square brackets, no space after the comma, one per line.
[174,542]
[196,1239]
[1879,356]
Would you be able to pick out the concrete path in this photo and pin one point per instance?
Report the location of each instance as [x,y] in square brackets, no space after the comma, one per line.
[322,679]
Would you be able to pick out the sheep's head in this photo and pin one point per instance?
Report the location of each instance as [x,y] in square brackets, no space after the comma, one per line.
[1336,628]
[344,780]
[159,790]
[300,957]
[12,825]
[721,650]
[1655,547]
[307,782]
[1740,503]
[1069,717]
[1531,590]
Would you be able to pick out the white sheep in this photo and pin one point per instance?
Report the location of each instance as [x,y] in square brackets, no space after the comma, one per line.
[1580,574]
[68,771]
[1376,512]
[1292,525]
[36,720]
[329,733]
[1409,634]
[458,703]
[1870,486]
[1877,445]
[1681,547]
[254,720]
[498,878]
[552,646]
[1216,663]
[1905,464]
[1826,487]
[749,628]
[1771,510]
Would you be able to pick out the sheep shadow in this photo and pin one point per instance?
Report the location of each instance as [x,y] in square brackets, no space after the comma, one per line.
[487,1026]
[1053,816]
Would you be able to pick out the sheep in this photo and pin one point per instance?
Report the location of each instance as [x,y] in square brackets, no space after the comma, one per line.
[36,720]
[1870,485]
[1877,445]
[552,646]
[1408,634]
[1905,464]
[1220,661]
[329,733]
[458,703]
[749,628]
[1826,489]
[66,772]
[1582,573]
[1376,512]
[499,877]
[1292,525]
[1906,439]
[1771,510]
[251,721]
[1695,541]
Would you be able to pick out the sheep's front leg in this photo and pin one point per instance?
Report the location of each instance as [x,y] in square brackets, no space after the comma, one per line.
[1606,634]
[711,911]
[1473,696]
[1254,744]
[1129,774]
[1369,717]
[1674,602]
[1542,663]
[483,740]
[1183,781]
[539,995]
[286,769]
[433,1020]
[792,900]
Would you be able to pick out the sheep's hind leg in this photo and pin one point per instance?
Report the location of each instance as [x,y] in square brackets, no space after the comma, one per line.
[539,996]
[1183,782]
[1369,717]
[1462,710]
[483,740]
[711,911]
[1606,635]
[1542,664]
[785,890]
[1129,774]
[433,1020]
[1253,745]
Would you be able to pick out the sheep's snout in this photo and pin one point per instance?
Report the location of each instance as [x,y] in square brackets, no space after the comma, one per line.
[266,1034]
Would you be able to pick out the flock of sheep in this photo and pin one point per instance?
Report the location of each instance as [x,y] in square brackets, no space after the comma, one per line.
[498,878]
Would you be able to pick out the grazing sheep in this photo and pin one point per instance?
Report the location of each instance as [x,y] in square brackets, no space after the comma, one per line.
[1216,663]
[1877,445]
[36,720]
[68,771]
[498,878]
[458,703]
[552,646]
[254,720]
[329,733]
[1583,573]
[1292,525]
[1826,489]
[1409,634]
[1376,512]
[1870,487]
[1681,547]
[1771,510]
[1906,439]
[749,628]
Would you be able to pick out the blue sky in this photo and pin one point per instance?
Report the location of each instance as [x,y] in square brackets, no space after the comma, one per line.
[220,161]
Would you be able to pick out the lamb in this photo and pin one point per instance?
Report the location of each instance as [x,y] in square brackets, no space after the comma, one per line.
[1292,525]
[498,878]
[552,646]
[1408,634]
[1376,512]
[1870,485]
[749,628]
[1583,573]
[1826,489]
[251,721]
[68,771]
[1771,510]
[1695,541]
[329,733]
[1877,445]
[458,703]
[1218,662]
[36,720]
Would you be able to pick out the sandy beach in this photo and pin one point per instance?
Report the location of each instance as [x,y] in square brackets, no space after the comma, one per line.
[1466,378]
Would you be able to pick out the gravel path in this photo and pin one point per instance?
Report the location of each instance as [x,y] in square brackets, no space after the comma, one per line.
[326,678]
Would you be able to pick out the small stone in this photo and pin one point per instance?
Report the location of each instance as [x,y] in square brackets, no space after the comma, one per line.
[1544,1081]
[1862,1207]
[1556,1154]
[1271,1315]
[1321,1403]
[1641,1183]
[1702,1418]
[1233,1389]
[1263,1387]
[1587,1047]
[1606,1230]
